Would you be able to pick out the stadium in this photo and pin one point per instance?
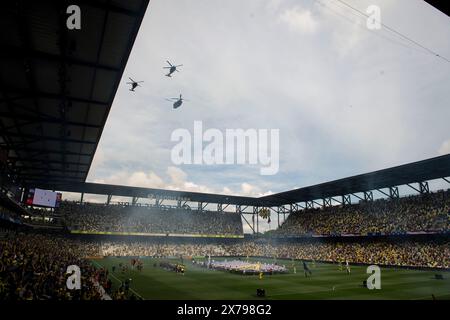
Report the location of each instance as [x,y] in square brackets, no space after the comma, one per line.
[383,234]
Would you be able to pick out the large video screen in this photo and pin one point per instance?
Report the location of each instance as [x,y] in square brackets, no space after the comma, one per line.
[44,198]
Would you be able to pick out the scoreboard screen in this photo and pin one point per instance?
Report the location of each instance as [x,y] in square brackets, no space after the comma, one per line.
[43,198]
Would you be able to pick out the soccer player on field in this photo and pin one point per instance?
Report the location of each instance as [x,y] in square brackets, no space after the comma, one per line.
[306,269]
[347,266]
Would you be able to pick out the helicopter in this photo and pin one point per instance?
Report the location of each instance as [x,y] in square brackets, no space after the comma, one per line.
[178,101]
[171,68]
[134,84]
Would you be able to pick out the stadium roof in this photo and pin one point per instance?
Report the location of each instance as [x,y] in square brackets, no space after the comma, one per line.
[420,171]
[57,85]
[440,5]
[127,191]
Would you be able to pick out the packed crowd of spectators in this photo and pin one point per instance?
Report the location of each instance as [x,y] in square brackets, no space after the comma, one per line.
[409,214]
[33,267]
[143,219]
[382,252]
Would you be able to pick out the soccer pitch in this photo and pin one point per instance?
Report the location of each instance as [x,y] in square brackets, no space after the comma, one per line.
[326,282]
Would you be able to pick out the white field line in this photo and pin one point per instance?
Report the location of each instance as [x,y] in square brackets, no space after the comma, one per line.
[120,281]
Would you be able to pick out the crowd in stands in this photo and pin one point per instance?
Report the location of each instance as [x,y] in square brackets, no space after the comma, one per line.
[409,214]
[382,252]
[33,267]
[118,218]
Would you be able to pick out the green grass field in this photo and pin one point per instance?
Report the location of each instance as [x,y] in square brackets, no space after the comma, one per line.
[201,284]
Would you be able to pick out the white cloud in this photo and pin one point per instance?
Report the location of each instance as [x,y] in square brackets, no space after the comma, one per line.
[176,175]
[135,179]
[248,189]
[445,148]
[177,179]
[346,101]
[300,20]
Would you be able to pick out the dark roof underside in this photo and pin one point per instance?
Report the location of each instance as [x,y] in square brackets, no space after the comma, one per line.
[57,85]
[424,170]
[441,5]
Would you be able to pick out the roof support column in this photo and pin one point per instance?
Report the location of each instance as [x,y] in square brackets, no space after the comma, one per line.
[424,188]
[293,207]
[326,202]
[278,216]
[81,198]
[134,200]
[368,196]
[309,204]
[108,199]
[201,207]
[255,212]
[239,211]
[393,192]
[346,199]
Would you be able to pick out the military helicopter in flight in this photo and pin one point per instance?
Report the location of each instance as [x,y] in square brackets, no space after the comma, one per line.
[171,68]
[134,84]
[178,101]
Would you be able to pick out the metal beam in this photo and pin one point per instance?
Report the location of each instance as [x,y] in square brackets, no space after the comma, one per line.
[43,151]
[109,6]
[338,201]
[243,217]
[381,191]
[32,159]
[46,169]
[393,192]
[36,136]
[424,188]
[415,189]
[326,202]
[44,118]
[7,51]
[30,94]
[368,196]
[346,199]
[355,195]
[314,201]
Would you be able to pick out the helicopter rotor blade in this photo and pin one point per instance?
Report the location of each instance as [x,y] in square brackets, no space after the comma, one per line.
[180,65]
[131,79]
[169,63]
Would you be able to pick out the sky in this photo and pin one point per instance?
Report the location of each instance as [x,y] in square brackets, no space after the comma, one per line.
[346,99]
